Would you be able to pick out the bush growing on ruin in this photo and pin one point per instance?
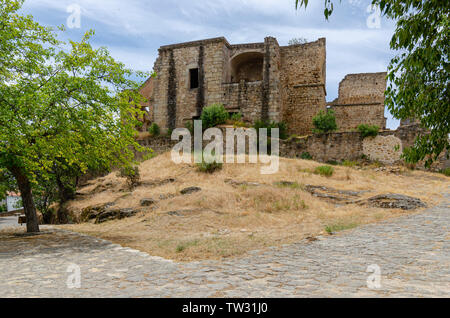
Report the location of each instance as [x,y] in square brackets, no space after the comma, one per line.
[189,126]
[154,130]
[283,130]
[368,131]
[306,156]
[272,125]
[297,41]
[236,120]
[324,122]
[214,115]
[239,124]
[236,117]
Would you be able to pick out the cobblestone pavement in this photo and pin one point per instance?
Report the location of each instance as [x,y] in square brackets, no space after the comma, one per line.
[412,253]
[9,221]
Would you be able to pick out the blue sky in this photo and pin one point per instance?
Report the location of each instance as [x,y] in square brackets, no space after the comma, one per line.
[133,30]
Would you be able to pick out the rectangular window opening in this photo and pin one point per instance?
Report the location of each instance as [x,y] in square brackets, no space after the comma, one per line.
[193,74]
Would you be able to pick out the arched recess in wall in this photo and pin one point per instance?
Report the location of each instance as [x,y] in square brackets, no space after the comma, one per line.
[247,66]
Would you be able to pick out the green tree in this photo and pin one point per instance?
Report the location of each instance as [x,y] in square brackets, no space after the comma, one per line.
[7,183]
[69,108]
[418,74]
[368,130]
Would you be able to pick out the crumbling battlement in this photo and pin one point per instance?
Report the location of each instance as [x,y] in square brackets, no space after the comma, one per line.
[360,101]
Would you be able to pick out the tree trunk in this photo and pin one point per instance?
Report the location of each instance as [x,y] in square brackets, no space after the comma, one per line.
[27,200]
[66,193]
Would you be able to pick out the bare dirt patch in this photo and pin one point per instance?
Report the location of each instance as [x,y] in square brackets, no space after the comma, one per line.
[236,209]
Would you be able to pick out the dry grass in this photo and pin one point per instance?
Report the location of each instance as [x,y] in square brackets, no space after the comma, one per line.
[224,221]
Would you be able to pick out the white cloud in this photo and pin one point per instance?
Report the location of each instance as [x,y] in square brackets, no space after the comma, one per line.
[141,59]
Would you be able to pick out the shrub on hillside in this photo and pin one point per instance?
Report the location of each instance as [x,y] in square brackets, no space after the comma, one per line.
[324,122]
[306,156]
[209,167]
[214,115]
[326,171]
[446,172]
[132,174]
[348,163]
[368,131]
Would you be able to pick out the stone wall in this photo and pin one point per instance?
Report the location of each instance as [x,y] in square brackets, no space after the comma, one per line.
[360,101]
[351,146]
[243,97]
[336,146]
[349,117]
[325,147]
[303,78]
[159,145]
[385,149]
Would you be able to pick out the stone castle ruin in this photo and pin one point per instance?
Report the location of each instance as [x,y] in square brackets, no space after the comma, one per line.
[268,82]
[262,81]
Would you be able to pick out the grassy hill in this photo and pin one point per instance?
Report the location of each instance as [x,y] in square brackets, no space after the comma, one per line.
[238,209]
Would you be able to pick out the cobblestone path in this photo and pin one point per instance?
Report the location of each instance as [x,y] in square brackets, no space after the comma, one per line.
[9,221]
[412,253]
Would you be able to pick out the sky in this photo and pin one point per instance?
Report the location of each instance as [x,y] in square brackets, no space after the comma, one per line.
[133,30]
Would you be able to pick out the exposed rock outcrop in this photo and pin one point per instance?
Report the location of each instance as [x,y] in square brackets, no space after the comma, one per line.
[190,190]
[104,212]
[396,201]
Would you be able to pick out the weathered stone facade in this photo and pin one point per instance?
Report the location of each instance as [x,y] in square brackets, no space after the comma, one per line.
[262,81]
[360,101]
